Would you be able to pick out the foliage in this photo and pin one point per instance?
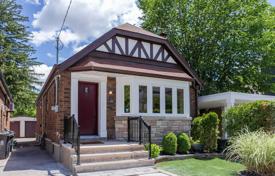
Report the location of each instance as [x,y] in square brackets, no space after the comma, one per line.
[255,150]
[169,144]
[155,150]
[230,44]
[184,144]
[254,115]
[209,133]
[195,167]
[196,128]
[205,129]
[15,57]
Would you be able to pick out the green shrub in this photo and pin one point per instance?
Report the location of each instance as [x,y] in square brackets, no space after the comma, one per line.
[169,144]
[196,131]
[256,150]
[254,116]
[205,130]
[155,150]
[184,144]
[209,131]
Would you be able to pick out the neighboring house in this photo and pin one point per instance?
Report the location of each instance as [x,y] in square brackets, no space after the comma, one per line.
[222,101]
[24,127]
[126,72]
[6,104]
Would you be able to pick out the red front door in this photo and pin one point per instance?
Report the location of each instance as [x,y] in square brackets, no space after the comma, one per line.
[88,108]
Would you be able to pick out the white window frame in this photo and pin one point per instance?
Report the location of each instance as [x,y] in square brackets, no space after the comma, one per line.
[136,81]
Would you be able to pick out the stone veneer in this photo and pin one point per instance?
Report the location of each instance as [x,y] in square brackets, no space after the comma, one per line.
[159,127]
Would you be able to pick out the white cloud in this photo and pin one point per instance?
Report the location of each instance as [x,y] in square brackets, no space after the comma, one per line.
[33,2]
[86,19]
[78,48]
[44,70]
[50,55]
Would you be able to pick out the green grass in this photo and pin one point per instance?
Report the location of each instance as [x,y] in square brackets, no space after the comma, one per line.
[195,167]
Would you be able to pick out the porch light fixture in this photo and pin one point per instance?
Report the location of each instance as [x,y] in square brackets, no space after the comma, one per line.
[110,92]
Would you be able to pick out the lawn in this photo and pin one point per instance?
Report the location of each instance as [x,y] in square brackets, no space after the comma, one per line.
[195,167]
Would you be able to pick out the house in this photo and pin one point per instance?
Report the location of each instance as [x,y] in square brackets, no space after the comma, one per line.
[127,72]
[6,104]
[220,102]
[24,127]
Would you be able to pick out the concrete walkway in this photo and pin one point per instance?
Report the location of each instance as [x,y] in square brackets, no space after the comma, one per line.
[31,160]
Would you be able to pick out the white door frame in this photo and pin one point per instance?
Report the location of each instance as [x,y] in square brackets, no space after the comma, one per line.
[102,86]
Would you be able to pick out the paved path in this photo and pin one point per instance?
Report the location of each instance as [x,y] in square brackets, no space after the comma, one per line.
[31,161]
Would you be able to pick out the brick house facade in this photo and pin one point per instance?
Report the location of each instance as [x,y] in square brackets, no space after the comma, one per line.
[126,72]
[5,105]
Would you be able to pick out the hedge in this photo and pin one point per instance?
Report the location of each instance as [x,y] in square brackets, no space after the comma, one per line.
[205,129]
[253,116]
[169,144]
[184,144]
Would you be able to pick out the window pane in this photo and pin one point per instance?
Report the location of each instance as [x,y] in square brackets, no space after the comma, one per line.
[180,101]
[143,99]
[127,98]
[168,100]
[156,100]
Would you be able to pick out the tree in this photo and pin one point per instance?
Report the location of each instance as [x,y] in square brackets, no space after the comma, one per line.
[15,57]
[229,43]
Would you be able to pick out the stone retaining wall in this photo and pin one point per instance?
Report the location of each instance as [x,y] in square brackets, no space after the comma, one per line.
[159,127]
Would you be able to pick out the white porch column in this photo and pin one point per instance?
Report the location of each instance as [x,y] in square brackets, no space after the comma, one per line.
[22,128]
[230,102]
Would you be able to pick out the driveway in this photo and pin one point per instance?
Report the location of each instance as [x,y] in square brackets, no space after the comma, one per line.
[31,160]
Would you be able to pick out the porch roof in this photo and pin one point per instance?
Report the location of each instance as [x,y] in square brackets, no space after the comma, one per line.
[229,99]
[118,66]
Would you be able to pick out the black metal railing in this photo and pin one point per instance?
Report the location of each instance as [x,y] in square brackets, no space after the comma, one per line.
[139,131]
[71,135]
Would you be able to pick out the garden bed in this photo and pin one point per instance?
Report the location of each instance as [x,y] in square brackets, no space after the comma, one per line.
[202,156]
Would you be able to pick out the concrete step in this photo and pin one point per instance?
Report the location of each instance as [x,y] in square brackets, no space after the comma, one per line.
[101,157]
[103,148]
[112,165]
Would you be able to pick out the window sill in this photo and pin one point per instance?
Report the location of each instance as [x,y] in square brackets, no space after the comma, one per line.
[156,116]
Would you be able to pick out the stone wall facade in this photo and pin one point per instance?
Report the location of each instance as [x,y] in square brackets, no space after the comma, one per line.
[159,127]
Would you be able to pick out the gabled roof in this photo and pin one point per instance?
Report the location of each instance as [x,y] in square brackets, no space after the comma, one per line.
[129,30]
[132,28]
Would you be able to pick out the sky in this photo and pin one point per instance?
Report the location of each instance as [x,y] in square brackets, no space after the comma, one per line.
[86,21]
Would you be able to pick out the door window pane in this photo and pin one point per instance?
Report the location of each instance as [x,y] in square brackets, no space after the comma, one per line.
[180,101]
[168,100]
[127,98]
[143,99]
[156,99]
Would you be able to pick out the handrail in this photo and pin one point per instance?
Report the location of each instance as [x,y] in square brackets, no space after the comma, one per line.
[72,135]
[139,131]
